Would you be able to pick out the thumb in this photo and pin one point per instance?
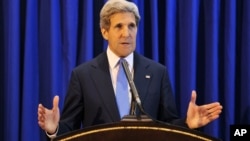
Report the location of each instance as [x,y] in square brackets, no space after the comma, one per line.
[193,97]
[55,102]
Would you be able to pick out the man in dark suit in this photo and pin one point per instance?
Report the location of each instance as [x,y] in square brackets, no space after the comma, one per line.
[91,97]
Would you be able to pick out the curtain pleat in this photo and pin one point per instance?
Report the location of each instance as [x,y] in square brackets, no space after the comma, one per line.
[12,69]
[187,23]
[204,45]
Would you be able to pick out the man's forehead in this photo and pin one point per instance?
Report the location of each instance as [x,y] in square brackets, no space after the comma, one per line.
[123,18]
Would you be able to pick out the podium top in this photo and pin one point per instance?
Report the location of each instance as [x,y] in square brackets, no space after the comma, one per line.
[134,130]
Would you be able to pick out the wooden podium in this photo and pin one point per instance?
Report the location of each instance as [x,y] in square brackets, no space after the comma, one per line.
[133,129]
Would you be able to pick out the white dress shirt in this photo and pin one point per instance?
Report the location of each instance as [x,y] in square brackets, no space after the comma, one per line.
[113,67]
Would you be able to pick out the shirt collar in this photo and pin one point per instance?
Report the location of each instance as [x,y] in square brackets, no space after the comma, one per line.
[113,59]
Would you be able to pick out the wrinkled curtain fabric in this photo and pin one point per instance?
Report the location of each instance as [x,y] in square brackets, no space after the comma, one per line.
[204,44]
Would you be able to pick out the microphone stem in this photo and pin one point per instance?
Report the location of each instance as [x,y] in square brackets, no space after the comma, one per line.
[134,92]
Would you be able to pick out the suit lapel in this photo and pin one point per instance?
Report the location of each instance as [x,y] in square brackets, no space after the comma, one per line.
[101,77]
[142,76]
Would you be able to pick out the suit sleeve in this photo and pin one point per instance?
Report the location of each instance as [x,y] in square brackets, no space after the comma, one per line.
[73,105]
[168,110]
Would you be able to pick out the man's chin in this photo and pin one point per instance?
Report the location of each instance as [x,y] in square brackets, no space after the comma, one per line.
[125,53]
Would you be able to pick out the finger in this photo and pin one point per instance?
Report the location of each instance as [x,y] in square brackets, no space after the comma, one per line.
[40,106]
[55,102]
[41,109]
[40,118]
[41,124]
[212,113]
[213,105]
[204,111]
[214,116]
[193,97]
[215,108]
[215,112]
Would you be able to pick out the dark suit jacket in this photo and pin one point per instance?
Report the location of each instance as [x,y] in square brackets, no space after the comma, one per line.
[90,99]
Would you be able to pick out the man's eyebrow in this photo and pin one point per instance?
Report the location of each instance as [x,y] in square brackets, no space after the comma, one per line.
[118,24]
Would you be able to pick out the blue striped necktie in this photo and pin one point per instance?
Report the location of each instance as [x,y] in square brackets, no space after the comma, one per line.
[122,94]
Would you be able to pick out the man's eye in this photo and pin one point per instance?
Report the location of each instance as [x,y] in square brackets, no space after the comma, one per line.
[132,26]
[119,26]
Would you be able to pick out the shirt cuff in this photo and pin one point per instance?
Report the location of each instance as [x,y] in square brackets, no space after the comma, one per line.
[52,136]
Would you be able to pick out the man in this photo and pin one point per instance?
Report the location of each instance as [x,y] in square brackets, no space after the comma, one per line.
[91,96]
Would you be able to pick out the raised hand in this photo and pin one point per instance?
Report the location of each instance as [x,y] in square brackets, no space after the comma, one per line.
[198,116]
[48,119]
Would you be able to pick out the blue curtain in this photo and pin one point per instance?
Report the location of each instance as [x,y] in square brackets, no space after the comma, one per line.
[204,44]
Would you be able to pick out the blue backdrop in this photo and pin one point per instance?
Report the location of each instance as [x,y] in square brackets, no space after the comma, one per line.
[205,45]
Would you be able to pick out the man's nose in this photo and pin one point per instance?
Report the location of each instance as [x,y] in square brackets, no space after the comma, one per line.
[125,32]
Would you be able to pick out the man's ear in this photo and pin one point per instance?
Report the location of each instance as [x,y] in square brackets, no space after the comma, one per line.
[104,33]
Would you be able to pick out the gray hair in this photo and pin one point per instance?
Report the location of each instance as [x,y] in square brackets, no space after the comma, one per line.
[112,7]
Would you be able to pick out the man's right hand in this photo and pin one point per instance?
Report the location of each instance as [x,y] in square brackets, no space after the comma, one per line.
[48,119]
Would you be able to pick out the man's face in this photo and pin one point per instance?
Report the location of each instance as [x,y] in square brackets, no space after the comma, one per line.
[121,35]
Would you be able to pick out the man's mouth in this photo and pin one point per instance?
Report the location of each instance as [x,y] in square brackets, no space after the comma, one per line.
[125,43]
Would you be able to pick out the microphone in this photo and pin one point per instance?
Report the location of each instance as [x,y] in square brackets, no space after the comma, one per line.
[132,85]
[136,99]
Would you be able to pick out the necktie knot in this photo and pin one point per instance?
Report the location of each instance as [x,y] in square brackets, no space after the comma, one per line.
[119,63]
